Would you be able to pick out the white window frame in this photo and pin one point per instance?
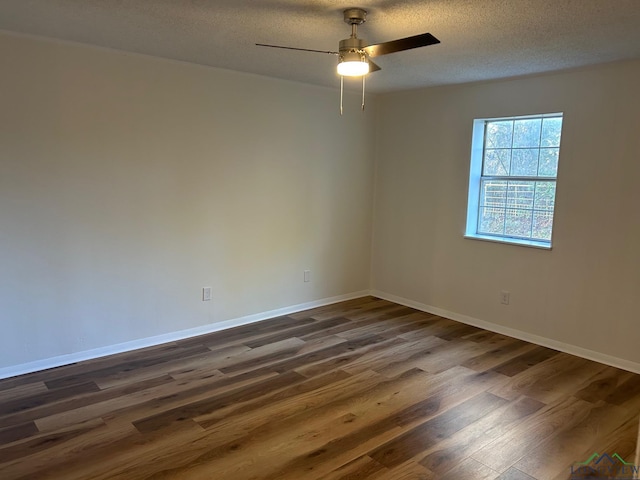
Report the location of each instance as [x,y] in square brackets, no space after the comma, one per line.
[475,178]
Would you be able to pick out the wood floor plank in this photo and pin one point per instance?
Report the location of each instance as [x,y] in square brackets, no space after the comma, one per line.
[397,356]
[361,468]
[459,331]
[340,309]
[194,409]
[407,471]
[426,435]
[85,366]
[123,401]
[185,391]
[511,447]
[323,354]
[261,356]
[626,394]
[387,325]
[297,332]
[604,385]
[18,405]
[306,430]
[381,311]
[365,310]
[551,456]
[17,432]
[438,327]
[84,378]
[503,351]
[471,469]
[292,404]
[101,455]
[622,441]
[387,395]
[247,333]
[515,474]
[23,391]
[45,442]
[441,357]
[551,379]
[525,361]
[395,412]
[362,389]
[447,453]
[71,405]
[349,360]
[38,456]
[178,367]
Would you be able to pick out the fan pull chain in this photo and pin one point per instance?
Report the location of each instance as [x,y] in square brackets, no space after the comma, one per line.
[341,91]
[363,76]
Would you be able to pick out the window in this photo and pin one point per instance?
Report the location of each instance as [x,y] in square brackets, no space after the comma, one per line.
[512,186]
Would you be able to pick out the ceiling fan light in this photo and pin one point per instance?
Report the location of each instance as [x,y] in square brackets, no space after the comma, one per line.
[353,63]
[353,68]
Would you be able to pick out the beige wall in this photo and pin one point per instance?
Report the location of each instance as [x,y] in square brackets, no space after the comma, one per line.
[128,183]
[585,292]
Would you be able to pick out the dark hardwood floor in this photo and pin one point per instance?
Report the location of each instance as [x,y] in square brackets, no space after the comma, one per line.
[364,389]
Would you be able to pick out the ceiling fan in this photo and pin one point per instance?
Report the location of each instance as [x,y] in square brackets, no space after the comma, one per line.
[354,55]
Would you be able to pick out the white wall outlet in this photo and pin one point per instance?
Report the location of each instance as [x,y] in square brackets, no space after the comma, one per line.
[504,297]
[307,275]
[206,294]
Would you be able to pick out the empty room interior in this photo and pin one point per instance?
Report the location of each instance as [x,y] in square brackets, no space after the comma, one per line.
[226,255]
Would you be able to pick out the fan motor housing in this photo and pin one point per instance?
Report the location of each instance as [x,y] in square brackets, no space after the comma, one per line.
[351,44]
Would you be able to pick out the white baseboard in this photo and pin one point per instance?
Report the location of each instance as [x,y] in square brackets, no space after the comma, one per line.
[512,332]
[61,360]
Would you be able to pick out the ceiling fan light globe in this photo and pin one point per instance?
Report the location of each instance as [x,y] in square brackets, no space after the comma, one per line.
[353,68]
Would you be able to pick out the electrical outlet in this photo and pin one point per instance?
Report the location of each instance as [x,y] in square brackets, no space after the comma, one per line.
[206,294]
[504,297]
[307,275]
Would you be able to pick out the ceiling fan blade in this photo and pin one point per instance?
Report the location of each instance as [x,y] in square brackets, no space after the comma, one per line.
[373,67]
[401,44]
[294,48]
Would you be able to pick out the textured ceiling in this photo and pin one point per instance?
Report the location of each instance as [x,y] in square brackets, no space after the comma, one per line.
[481,39]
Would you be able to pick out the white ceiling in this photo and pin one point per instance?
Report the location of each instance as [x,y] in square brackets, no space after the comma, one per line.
[481,39]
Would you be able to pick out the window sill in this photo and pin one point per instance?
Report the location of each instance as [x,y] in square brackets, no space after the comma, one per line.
[510,241]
